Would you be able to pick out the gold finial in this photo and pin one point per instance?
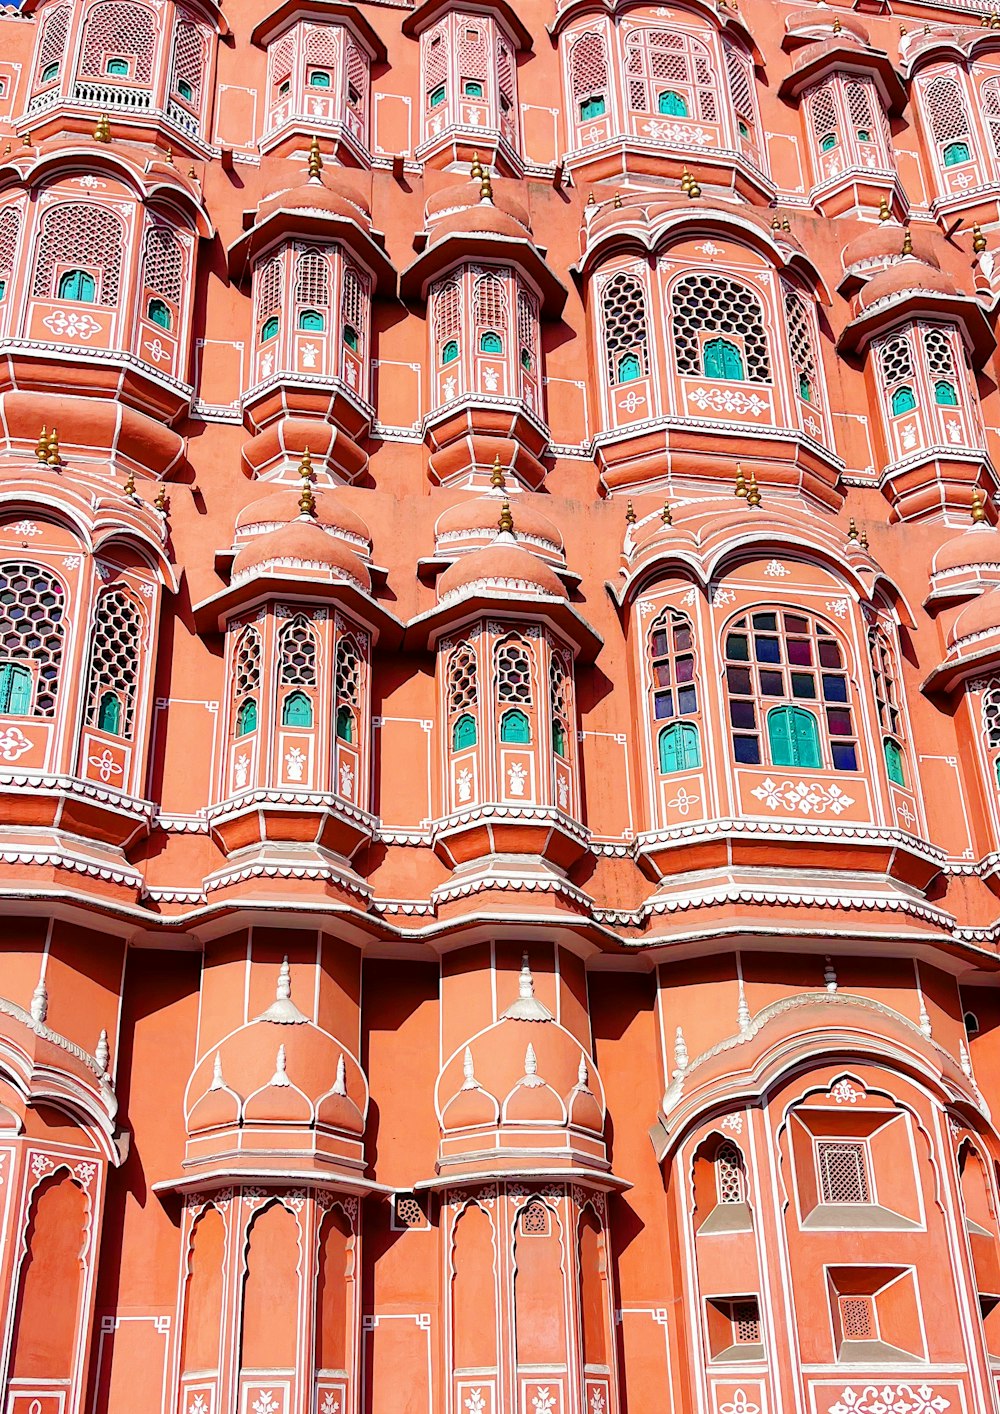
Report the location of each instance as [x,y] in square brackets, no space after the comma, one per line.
[927,29]
[505,524]
[476,170]
[686,180]
[903,31]
[102,132]
[630,515]
[694,190]
[852,530]
[315,160]
[776,222]
[978,239]
[665,514]
[497,480]
[192,174]
[837,26]
[863,541]
[907,241]
[26,140]
[978,511]
[486,187]
[130,484]
[884,214]
[753,494]
[169,159]
[307,501]
[785,225]
[741,482]
[591,199]
[42,450]
[54,458]
[161,498]
[618,201]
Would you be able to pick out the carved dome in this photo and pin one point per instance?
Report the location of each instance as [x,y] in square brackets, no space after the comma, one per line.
[472,525]
[301,544]
[324,195]
[881,246]
[909,275]
[461,207]
[281,507]
[980,619]
[502,567]
[821,22]
[970,554]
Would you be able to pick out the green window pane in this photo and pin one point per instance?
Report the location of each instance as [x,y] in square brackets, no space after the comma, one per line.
[3,290]
[246,717]
[828,143]
[472,88]
[50,73]
[525,353]
[438,96]
[77,285]
[117,68]
[679,748]
[559,739]
[593,107]
[721,358]
[463,733]
[345,724]
[109,713]
[490,343]
[793,736]
[351,338]
[903,400]
[515,727]
[805,391]
[185,90]
[312,321]
[629,368]
[944,394]
[955,153]
[894,761]
[158,313]
[15,690]
[672,104]
[450,351]
[270,329]
[319,78]
[297,710]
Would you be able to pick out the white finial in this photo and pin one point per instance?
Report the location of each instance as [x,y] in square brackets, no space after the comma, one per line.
[743,1010]
[830,975]
[40,1003]
[965,1060]
[284,990]
[925,1020]
[680,1050]
[531,1068]
[280,1077]
[102,1054]
[527,1007]
[525,982]
[340,1084]
[469,1071]
[582,1075]
[283,1010]
[217,1081]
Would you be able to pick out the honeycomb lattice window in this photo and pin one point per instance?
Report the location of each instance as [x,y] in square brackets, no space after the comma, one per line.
[884,681]
[52,46]
[189,61]
[729,1173]
[114,657]
[354,301]
[358,78]
[658,57]
[116,29]
[559,687]
[312,280]
[163,264]
[490,306]
[527,327]
[857,1318]
[407,1212]
[534,1221]
[10,230]
[246,663]
[991,714]
[895,361]
[989,96]
[270,287]
[447,312]
[746,1323]
[843,1171]
[348,674]
[83,235]
[740,74]
[706,303]
[625,335]
[823,115]
[947,110]
[800,341]
[462,689]
[32,609]
[937,351]
[507,89]
[513,670]
[588,66]
[297,653]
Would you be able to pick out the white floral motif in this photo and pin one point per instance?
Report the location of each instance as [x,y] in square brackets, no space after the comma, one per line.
[26,527]
[890,1399]
[85,1172]
[806,798]
[450,388]
[516,778]
[543,1402]
[265,1403]
[464,783]
[733,1122]
[309,355]
[71,326]
[295,763]
[72,562]
[631,401]
[722,597]
[837,606]
[906,815]
[491,377]
[682,802]
[266,365]
[646,607]
[330,1405]
[475,1402]
[197,1405]
[562,789]
[346,781]
[739,1404]
[727,400]
[156,350]
[776,570]
[597,1401]
[242,770]
[13,743]
[708,248]
[675,133]
[105,765]
[690,596]
[40,1164]
[844,1093]
[954,430]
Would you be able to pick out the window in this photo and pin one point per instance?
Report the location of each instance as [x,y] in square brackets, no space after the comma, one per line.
[971,1023]
[672,104]
[857,1318]
[515,727]
[707,304]
[115,654]
[449,351]
[777,659]
[269,329]
[490,343]
[52,45]
[472,88]
[463,733]
[32,606]
[625,338]
[739,71]
[588,69]
[525,353]
[729,1174]
[799,317]
[559,703]
[902,400]
[828,143]
[351,338]
[843,1171]
[354,306]
[955,153]
[189,63]
[319,78]
[297,653]
[246,680]
[311,321]
[448,319]
[534,1220]
[77,285]
[895,363]
[894,761]
[679,748]
[120,28]
[297,710]
[117,68]
[490,310]
[15,690]
[671,648]
[655,55]
[722,359]
[887,708]
[246,717]
[347,687]
[944,394]
[513,669]
[593,107]
[185,90]
[438,96]
[50,73]
[157,312]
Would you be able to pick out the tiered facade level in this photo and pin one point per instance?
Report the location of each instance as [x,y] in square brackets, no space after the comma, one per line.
[499,707]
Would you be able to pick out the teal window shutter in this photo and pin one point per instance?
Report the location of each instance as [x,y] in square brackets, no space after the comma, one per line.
[297,710]
[679,747]
[515,727]
[15,690]
[722,359]
[158,312]
[944,394]
[903,400]
[345,724]
[629,368]
[312,321]
[673,105]
[77,285]
[894,761]
[593,107]
[109,713]
[793,737]
[490,343]
[270,329]
[246,717]
[955,153]
[559,739]
[463,733]
[449,352]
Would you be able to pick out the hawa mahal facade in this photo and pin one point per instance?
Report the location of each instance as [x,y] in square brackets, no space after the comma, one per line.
[499,707]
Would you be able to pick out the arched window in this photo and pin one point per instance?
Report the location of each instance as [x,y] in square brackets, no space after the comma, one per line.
[956,153]
[679,748]
[109,713]
[434,47]
[32,610]
[121,29]
[672,666]
[902,400]
[157,312]
[801,344]
[971,1022]
[447,317]
[77,285]
[297,710]
[117,68]
[319,78]
[354,306]
[559,703]
[246,717]
[672,73]
[515,727]
[729,1176]
[51,72]
[887,707]
[673,105]
[895,363]
[297,653]
[780,659]
[463,733]
[947,111]
[893,753]
[115,658]
[347,686]
[246,680]
[15,690]
[793,738]
[312,290]
[270,297]
[188,64]
[705,305]
[588,68]
[944,394]
[10,231]
[824,118]
[739,71]
[52,44]
[312,322]
[345,724]
[623,305]
[490,343]
[490,311]
[513,672]
[527,329]
[269,329]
